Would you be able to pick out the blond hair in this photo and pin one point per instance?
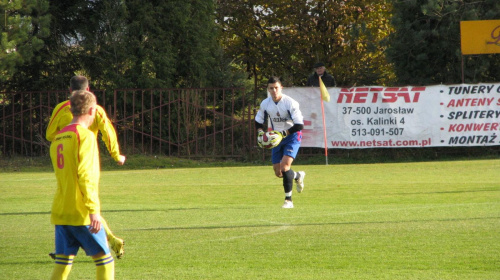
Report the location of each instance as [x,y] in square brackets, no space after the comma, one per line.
[81,101]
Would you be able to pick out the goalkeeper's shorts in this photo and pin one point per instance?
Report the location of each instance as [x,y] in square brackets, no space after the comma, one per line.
[289,146]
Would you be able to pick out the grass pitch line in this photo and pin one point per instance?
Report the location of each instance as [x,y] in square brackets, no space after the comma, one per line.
[274,230]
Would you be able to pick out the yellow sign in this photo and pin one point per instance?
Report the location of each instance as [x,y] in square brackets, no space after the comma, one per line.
[480,36]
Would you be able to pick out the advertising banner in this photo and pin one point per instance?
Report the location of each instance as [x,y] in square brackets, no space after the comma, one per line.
[398,117]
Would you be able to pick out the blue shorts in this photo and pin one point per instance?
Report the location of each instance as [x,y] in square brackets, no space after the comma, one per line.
[289,146]
[70,238]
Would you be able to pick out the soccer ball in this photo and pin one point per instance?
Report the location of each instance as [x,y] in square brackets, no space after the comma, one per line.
[270,139]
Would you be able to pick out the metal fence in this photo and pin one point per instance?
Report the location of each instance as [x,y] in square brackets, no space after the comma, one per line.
[191,123]
[202,122]
[185,122]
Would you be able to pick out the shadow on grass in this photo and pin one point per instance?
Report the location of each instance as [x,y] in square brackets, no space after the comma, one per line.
[447,192]
[109,211]
[316,224]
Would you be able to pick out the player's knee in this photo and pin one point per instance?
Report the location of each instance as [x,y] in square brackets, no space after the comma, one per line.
[277,170]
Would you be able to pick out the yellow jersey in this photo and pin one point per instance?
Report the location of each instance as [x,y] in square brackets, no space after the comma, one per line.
[62,116]
[75,158]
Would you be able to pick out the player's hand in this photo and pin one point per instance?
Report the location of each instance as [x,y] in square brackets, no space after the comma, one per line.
[95,223]
[259,138]
[121,160]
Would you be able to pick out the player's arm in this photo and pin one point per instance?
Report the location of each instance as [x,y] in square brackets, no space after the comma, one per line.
[297,118]
[58,120]
[296,127]
[259,127]
[51,132]
[260,118]
[108,135]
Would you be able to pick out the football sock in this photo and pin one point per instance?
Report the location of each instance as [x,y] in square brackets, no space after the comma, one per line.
[62,267]
[288,181]
[109,233]
[105,267]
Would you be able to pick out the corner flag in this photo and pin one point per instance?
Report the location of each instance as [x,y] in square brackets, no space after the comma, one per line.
[326,97]
[324,93]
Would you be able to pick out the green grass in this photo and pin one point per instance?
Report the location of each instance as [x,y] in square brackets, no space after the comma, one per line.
[427,220]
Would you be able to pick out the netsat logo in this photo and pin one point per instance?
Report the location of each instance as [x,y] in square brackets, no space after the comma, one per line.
[379,94]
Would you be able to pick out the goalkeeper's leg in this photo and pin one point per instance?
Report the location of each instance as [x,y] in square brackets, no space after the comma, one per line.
[288,184]
[288,174]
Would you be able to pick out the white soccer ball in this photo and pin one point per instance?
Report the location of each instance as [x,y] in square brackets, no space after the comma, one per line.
[270,139]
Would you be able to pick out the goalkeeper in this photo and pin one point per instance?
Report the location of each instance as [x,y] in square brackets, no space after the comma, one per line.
[62,116]
[284,116]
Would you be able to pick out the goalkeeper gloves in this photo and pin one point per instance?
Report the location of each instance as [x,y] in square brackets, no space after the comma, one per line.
[259,138]
[283,133]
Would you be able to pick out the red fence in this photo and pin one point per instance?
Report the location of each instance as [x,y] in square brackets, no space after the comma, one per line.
[185,122]
[175,122]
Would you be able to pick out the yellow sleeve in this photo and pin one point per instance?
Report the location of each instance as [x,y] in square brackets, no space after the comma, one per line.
[89,171]
[60,118]
[108,134]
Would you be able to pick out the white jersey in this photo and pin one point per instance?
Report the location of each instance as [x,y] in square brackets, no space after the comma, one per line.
[282,116]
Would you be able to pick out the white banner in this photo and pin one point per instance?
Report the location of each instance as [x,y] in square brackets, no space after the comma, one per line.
[394,117]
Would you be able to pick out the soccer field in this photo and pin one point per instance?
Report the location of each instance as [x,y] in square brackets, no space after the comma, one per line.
[429,220]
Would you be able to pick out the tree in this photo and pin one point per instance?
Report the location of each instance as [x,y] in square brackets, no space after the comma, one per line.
[152,44]
[116,43]
[24,26]
[286,38]
[59,57]
[425,47]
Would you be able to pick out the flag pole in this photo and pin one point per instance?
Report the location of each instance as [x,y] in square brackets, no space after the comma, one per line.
[324,95]
[324,131]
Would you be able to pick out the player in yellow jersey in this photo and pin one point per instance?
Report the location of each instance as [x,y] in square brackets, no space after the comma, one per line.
[62,116]
[76,207]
